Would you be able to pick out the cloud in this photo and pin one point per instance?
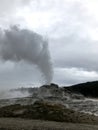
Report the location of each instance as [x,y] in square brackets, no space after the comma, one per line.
[77,52]
[69,76]
[8,11]
[71,27]
[74,37]
[11,5]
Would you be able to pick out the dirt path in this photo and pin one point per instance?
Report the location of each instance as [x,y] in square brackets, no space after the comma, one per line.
[22,124]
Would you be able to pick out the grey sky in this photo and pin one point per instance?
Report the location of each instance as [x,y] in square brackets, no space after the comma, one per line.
[71,27]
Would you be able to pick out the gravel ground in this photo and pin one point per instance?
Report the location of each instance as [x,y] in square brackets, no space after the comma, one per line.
[24,124]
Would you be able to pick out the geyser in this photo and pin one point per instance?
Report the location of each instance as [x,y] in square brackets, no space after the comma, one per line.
[24,45]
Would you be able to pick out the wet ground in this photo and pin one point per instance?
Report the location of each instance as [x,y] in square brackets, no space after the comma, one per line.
[86,105]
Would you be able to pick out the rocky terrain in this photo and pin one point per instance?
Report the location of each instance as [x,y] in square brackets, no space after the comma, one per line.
[55,94]
[39,116]
[52,103]
[47,111]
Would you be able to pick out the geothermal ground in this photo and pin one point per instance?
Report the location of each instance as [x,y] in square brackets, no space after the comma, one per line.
[45,107]
[53,94]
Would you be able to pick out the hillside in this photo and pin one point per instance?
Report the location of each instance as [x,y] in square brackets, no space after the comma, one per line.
[88,89]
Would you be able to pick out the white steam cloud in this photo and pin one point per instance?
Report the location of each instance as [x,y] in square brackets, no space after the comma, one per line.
[24,45]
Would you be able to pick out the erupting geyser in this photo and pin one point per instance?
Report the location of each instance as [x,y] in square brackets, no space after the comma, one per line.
[24,45]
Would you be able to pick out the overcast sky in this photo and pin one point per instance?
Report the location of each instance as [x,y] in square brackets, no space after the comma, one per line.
[71,27]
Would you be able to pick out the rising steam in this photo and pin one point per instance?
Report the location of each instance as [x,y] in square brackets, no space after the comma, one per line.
[24,45]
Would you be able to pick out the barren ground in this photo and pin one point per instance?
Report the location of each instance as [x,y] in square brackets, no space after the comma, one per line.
[24,124]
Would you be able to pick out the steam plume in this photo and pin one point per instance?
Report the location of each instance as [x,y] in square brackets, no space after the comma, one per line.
[24,45]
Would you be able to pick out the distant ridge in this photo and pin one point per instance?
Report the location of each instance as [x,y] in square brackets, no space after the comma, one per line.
[88,89]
